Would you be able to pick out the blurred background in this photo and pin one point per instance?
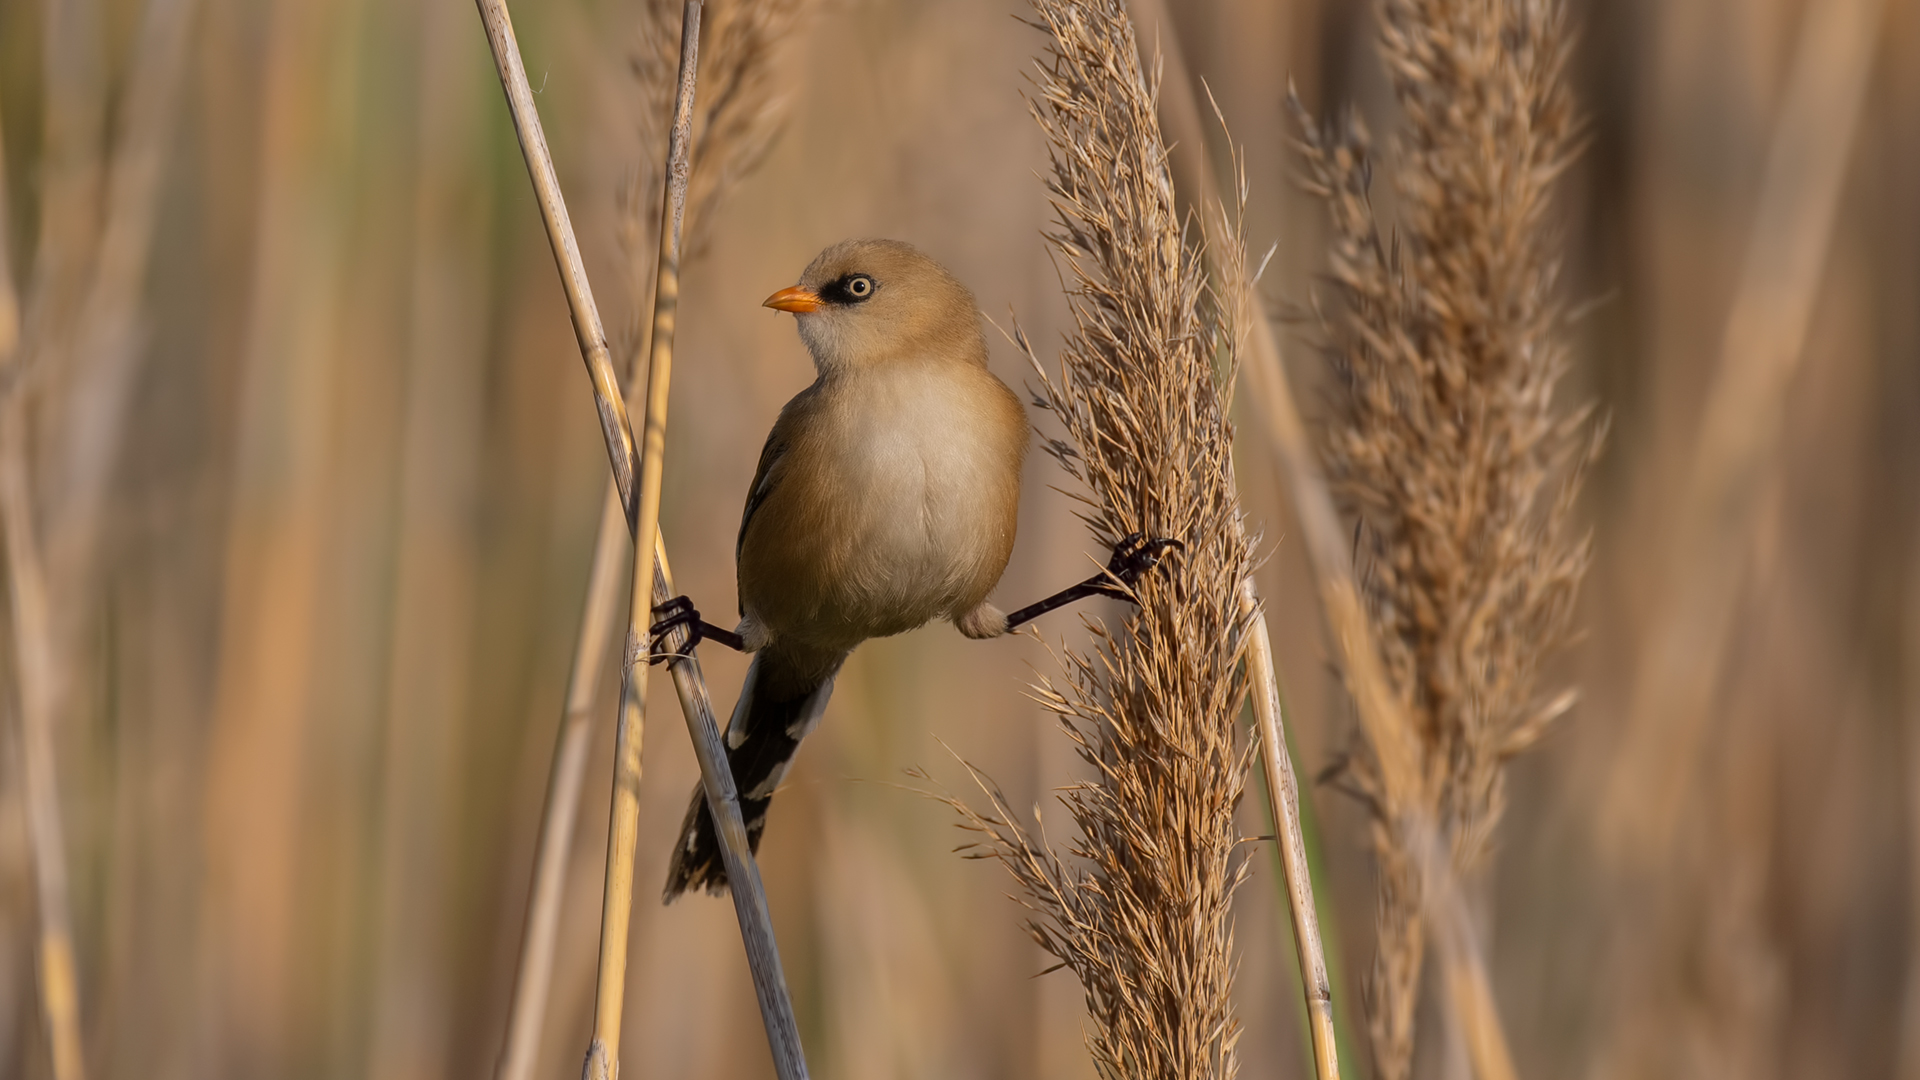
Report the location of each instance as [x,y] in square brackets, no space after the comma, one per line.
[335,577]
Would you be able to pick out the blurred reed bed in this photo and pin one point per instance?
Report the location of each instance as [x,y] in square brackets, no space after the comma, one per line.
[1138,907]
[311,716]
[1447,447]
[1724,528]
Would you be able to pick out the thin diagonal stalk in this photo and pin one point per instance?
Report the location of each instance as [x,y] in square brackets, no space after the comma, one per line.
[533,978]
[603,1053]
[33,666]
[756,924]
[1283,799]
[588,330]
[738,121]
[34,662]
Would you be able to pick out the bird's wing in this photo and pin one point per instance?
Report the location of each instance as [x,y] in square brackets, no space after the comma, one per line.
[764,479]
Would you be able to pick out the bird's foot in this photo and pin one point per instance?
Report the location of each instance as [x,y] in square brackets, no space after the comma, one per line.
[680,614]
[1133,556]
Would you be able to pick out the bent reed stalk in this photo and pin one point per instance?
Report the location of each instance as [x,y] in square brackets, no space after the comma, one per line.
[749,896]
[1448,451]
[1139,906]
[734,125]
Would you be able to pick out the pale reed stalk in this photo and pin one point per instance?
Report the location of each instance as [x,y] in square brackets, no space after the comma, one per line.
[94,349]
[603,1053]
[34,671]
[34,665]
[750,905]
[734,125]
[533,977]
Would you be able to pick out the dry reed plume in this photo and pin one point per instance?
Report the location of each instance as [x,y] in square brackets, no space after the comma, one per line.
[1139,908]
[1448,449]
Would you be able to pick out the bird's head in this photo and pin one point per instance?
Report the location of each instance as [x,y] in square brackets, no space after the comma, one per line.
[865,303]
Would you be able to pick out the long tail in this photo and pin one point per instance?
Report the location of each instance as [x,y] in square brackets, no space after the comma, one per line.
[780,702]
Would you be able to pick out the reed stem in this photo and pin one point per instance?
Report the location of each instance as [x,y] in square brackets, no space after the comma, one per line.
[603,1055]
[1283,801]
[33,666]
[533,978]
[34,662]
[756,924]
[588,330]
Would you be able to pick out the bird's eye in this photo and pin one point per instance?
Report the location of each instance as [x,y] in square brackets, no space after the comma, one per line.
[859,286]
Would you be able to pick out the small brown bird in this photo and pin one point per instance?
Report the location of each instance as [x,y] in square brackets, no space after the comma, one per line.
[886,497]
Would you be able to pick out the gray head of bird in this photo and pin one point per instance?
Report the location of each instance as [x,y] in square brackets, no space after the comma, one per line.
[865,304]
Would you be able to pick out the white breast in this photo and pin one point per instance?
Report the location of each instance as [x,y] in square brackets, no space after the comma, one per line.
[922,476]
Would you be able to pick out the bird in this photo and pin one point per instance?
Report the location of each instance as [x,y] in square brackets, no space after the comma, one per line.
[886,496]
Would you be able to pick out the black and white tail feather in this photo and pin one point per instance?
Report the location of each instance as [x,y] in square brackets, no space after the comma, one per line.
[780,704]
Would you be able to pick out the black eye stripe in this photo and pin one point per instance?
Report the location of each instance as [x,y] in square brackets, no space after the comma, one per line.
[849,289]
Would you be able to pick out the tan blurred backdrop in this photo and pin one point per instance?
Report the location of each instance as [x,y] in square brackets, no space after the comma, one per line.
[348,543]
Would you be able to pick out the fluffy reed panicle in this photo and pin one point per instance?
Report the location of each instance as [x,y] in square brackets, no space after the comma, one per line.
[1138,908]
[738,116]
[1447,447]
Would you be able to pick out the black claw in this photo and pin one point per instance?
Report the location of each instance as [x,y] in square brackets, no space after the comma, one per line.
[1135,555]
[677,614]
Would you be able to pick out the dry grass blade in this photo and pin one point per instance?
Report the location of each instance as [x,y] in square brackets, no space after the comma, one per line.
[734,124]
[1448,449]
[1283,791]
[1139,909]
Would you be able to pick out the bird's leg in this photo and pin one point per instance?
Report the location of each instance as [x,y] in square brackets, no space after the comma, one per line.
[680,612]
[1132,558]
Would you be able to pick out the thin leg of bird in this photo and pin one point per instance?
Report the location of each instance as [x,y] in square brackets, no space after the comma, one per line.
[1132,558]
[680,612]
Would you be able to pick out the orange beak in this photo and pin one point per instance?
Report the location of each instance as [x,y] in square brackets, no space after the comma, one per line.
[795,299]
